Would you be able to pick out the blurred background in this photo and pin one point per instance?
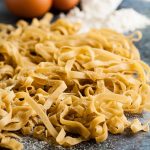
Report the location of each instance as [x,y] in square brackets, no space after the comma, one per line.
[142,6]
[13,10]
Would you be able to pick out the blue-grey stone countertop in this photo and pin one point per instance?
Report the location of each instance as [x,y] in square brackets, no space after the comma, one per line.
[140,141]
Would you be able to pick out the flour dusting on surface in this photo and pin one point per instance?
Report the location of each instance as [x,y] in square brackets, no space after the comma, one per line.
[125,20]
[99,8]
[103,13]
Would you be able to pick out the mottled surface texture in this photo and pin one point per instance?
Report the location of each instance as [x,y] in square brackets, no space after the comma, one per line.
[140,141]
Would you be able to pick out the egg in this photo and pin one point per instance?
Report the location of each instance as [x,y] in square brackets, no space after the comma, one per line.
[28,8]
[64,5]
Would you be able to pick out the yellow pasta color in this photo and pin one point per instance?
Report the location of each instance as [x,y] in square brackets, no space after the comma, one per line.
[56,83]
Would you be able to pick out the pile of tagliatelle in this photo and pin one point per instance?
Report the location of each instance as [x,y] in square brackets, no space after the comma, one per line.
[69,87]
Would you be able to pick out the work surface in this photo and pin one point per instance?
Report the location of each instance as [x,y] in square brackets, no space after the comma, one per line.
[127,141]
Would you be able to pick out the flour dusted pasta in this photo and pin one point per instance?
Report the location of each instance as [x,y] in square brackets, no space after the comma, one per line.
[70,87]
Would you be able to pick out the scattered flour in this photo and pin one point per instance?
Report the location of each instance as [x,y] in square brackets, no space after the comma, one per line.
[99,8]
[125,20]
[86,20]
[103,13]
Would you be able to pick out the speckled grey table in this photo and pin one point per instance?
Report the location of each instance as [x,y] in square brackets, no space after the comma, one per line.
[140,141]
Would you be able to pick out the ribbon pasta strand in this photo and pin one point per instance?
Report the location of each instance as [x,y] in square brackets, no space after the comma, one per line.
[55,82]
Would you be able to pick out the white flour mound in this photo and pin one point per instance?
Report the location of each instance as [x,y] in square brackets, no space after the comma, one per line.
[103,13]
[125,20]
[99,8]
[87,21]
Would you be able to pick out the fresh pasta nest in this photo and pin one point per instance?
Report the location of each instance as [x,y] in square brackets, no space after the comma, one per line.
[67,86]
